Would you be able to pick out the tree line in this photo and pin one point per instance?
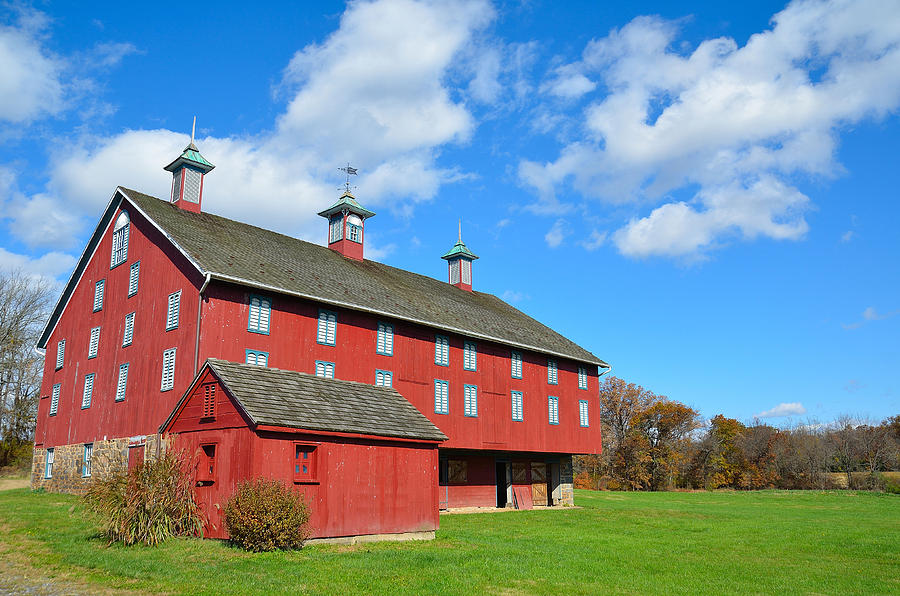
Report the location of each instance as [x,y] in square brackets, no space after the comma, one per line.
[653,443]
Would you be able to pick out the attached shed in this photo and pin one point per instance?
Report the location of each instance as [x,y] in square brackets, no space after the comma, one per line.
[365,459]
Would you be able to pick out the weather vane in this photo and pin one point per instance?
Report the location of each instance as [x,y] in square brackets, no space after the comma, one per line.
[349,171]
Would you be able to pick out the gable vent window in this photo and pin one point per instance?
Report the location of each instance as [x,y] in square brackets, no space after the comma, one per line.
[209,400]
[553,409]
[129,330]
[384,378]
[470,401]
[60,353]
[86,462]
[120,241]
[98,294]
[168,370]
[133,278]
[327,328]
[260,313]
[515,365]
[258,358]
[95,342]
[172,311]
[517,406]
[54,400]
[88,391]
[582,377]
[469,356]
[552,374]
[441,397]
[325,369]
[583,412]
[442,350]
[122,383]
[385,342]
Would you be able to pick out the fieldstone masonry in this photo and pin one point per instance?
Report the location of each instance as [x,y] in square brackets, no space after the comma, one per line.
[566,483]
[68,462]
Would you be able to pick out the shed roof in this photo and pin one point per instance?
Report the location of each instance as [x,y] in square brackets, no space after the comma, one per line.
[271,396]
[241,253]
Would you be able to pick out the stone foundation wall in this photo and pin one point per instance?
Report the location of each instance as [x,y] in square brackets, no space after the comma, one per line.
[566,481]
[68,462]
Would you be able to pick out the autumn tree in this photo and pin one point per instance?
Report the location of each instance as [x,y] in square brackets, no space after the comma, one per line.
[24,301]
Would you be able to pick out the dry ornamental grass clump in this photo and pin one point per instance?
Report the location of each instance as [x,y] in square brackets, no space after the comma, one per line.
[148,503]
[264,515]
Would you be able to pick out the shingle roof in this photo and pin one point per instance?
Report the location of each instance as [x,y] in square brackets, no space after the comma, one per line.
[271,396]
[242,253]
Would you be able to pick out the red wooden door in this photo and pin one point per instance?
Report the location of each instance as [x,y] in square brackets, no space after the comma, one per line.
[135,456]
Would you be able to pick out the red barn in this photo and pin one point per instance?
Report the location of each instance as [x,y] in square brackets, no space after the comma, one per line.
[130,334]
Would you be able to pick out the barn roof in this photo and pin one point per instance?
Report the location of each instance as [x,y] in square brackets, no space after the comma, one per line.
[271,396]
[241,253]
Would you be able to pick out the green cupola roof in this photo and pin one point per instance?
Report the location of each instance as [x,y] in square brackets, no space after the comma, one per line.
[347,202]
[460,249]
[191,156]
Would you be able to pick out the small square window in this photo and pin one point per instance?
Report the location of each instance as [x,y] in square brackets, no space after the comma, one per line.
[325,369]
[305,463]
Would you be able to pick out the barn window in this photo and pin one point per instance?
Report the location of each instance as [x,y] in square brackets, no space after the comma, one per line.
[454,271]
[582,377]
[257,357]
[192,180]
[133,278]
[553,409]
[120,241]
[129,330]
[441,397]
[86,462]
[583,412]
[172,311]
[466,266]
[98,294]
[515,359]
[48,464]
[384,344]
[469,356]
[88,391]
[457,471]
[442,350]
[95,342]
[354,228]
[206,470]
[470,400]
[260,313]
[335,228]
[325,369]
[552,374]
[327,328]
[168,370]
[54,400]
[304,462]
[60,353]
[209,400]
[384,378]
[122,382]
[517,406]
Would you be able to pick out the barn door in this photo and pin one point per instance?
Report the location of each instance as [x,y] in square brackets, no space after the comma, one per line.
[539,483]
[135,456]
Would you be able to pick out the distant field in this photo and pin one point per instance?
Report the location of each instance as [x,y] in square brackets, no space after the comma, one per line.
[840,479]
[622,543]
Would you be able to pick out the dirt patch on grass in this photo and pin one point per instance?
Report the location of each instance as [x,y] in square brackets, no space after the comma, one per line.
[12,483]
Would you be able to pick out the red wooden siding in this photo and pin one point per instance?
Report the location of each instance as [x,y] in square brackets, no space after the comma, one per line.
[162,271]
[291,344]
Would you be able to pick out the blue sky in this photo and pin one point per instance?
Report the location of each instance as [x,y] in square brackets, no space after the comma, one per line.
[704,195]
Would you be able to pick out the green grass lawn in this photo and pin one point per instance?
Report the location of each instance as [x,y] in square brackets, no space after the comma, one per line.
[681,543]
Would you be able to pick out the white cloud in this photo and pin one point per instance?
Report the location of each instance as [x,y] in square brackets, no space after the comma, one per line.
[871,314]
[514,296]
[372,93]
[727,126]
[847,236]
[568,83]
[51,265]
[594,241]
[30,84]
[784,409]
[556,234]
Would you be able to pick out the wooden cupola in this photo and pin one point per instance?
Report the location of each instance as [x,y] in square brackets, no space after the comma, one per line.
[346,220]
[459,258]
[188,171]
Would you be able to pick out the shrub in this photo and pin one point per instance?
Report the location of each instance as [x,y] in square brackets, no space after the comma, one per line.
[147,504]
[263,515]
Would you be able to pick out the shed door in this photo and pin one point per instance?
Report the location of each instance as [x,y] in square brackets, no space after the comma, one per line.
[539,483]
[135,456]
